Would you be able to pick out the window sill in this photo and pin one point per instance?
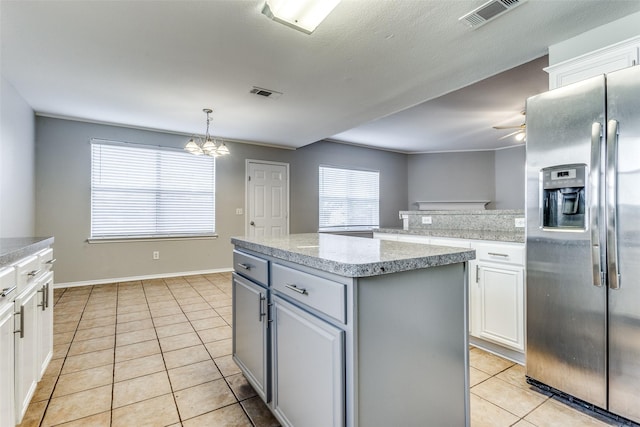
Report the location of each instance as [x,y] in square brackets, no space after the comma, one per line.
[347,229]
[93,240]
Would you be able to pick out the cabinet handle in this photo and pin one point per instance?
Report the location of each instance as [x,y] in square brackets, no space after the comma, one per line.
[477,273]
[51,261]
[43,291]
[33,273]
[260,308]
[46,293]
[302,291]
[497,254]
[7,291]
[21,314]
[244,266]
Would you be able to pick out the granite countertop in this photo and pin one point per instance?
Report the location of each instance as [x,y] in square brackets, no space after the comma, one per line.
[492,235]
[353,256]
[13,249]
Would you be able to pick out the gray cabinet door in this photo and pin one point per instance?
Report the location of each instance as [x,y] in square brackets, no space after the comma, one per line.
[250,333]
[309,368]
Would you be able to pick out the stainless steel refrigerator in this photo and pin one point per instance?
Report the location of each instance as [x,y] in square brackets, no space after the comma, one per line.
[583,241]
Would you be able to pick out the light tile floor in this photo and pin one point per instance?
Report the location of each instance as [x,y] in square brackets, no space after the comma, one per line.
[158,353]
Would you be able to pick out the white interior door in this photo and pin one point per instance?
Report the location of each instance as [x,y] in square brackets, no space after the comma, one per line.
[267,198]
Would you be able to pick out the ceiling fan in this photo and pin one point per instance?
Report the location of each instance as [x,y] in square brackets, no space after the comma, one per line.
[520,132]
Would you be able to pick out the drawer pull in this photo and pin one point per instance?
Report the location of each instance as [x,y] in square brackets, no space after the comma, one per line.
[33,273]
[7,291]
[497,254]
[21,314]
[296,289]
[51,261]
[244,266]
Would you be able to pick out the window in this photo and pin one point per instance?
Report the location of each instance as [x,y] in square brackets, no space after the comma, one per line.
[349,199]
[145,191]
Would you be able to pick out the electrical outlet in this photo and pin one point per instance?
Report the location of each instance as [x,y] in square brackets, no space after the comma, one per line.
[426,220]
[238,211]
[520,222]
[156,254]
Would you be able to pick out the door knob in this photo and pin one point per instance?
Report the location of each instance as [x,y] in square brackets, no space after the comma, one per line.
[252,223]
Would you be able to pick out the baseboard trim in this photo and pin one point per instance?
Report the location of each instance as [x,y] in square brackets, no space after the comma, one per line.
[505,353]
[132,278]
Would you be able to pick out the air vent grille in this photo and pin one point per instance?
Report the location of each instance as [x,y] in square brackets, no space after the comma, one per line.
[489,11]
[267,93]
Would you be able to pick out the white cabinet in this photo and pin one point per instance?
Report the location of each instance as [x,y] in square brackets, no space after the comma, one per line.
[618,56]
[497,294]
[308,368]
[7,417]
[26,331]
[26,348]
[45,323]
[250,333]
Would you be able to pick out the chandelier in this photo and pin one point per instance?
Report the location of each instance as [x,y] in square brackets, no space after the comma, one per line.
[207,145]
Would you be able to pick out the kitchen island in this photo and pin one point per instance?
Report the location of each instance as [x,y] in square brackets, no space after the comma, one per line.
[348,331]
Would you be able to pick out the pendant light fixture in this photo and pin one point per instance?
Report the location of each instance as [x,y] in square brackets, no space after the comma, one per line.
[207,146]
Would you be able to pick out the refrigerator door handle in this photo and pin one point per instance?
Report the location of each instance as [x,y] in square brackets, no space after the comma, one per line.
[613,272]
[594,180]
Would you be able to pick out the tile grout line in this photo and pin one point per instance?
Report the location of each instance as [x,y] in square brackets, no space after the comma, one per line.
[197,288]
[75,331]
[164,362]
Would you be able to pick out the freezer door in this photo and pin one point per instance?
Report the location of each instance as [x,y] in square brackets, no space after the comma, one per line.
[566,302]
[623,114]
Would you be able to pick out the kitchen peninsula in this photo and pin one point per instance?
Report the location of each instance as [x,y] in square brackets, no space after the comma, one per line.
[348,331]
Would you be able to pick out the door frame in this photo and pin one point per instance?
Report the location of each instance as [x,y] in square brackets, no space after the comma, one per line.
[246,191]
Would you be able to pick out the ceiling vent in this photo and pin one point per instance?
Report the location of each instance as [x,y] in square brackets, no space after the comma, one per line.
[489,11]
[267,93]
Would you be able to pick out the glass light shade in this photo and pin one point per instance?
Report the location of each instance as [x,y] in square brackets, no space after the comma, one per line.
[193,148]
[208,147]
[222,149]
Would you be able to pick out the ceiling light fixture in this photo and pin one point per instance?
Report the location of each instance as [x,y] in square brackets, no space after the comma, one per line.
[209,146]
[303,15]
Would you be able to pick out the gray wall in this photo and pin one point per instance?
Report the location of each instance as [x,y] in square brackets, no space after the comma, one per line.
[451,176]
[63,196]
[510,178]
[304,180]
[17,160]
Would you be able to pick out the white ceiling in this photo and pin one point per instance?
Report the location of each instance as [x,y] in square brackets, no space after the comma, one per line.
[156,64]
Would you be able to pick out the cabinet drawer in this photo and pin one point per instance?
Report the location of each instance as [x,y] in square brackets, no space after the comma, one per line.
[322,294]
[511,254]
[26,270]
[8,284]
[46,259]
[252,267]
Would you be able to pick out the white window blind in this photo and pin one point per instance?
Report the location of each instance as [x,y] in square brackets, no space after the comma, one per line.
[145,191]
[348,198]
